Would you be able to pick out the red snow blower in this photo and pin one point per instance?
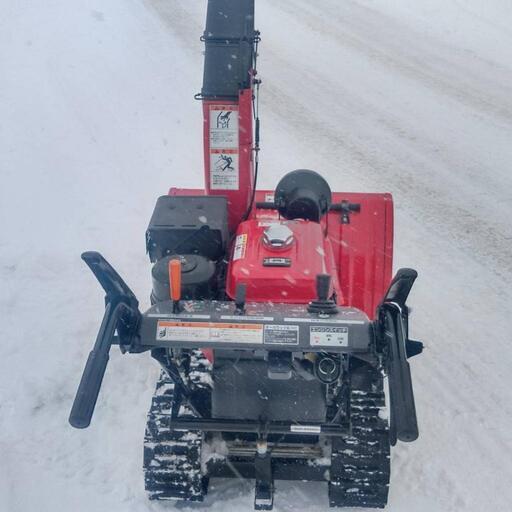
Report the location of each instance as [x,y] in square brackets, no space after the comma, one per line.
[274,317]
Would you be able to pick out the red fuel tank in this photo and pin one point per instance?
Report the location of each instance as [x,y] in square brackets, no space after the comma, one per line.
[279,260]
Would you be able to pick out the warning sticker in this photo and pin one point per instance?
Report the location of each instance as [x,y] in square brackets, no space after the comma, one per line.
[224,148]
[281,335]
[240,247]
[209,332]
[237,333]
[223,127]
[224,169]
[328,336]
[182,331]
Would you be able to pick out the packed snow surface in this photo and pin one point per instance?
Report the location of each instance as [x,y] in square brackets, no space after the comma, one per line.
[97,120]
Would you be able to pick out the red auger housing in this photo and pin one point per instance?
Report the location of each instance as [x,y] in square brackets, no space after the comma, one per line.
[274,315]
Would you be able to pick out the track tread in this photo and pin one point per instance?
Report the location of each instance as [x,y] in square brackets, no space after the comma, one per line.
[360,463]
[172,458]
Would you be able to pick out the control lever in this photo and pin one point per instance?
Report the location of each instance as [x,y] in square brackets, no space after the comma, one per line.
[323,305]
[346,208]
[240,295]
[175,284]
[323,284]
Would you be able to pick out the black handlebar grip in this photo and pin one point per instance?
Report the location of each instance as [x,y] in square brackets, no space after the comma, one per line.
[403,409]
[121,303]
[88,390]
[402,405]
[400,286]
[407,425]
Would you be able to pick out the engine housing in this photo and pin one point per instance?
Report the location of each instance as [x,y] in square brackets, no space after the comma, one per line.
[279,260]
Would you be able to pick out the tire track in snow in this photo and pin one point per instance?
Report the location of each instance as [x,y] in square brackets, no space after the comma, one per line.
[479,174]
[433,70]
[180,20]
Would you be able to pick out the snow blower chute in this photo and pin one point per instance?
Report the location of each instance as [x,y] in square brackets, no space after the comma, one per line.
[274,315]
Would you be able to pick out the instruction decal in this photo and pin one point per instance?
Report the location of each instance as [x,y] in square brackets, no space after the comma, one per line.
[224,147]
[328,336]
[281,335]
[209,332]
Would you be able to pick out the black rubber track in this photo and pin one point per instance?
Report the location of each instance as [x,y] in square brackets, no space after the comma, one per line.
[360,468]
[172,458]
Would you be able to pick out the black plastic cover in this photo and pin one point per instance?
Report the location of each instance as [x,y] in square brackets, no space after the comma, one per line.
[188,225]
[229,37]
[303,194]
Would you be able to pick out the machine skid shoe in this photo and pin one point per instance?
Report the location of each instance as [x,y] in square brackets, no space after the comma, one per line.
[264,492]
[263,496]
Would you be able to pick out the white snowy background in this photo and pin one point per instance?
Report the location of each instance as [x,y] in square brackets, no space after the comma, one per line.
[97,119]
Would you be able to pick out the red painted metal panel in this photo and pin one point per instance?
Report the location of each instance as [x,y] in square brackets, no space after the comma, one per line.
[309,255]
[364,249]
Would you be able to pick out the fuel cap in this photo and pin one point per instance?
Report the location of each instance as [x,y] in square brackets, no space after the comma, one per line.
[278,237]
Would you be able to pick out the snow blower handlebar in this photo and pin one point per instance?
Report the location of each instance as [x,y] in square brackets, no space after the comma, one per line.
[393,322]
[121,314]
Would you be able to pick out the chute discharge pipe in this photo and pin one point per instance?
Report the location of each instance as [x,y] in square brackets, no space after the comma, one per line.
[227,96]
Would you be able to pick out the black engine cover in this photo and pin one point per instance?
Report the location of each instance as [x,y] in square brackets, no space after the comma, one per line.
[188,225]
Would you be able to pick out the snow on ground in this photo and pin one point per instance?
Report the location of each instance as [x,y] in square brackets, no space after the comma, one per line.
[97,119]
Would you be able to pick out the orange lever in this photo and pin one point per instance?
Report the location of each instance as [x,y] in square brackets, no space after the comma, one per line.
[175,279]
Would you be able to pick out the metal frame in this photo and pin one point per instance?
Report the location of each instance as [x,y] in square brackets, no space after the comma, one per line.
[260,427]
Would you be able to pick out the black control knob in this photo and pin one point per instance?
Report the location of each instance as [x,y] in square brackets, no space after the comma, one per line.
[240,296]
[323,284]
[323,305]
